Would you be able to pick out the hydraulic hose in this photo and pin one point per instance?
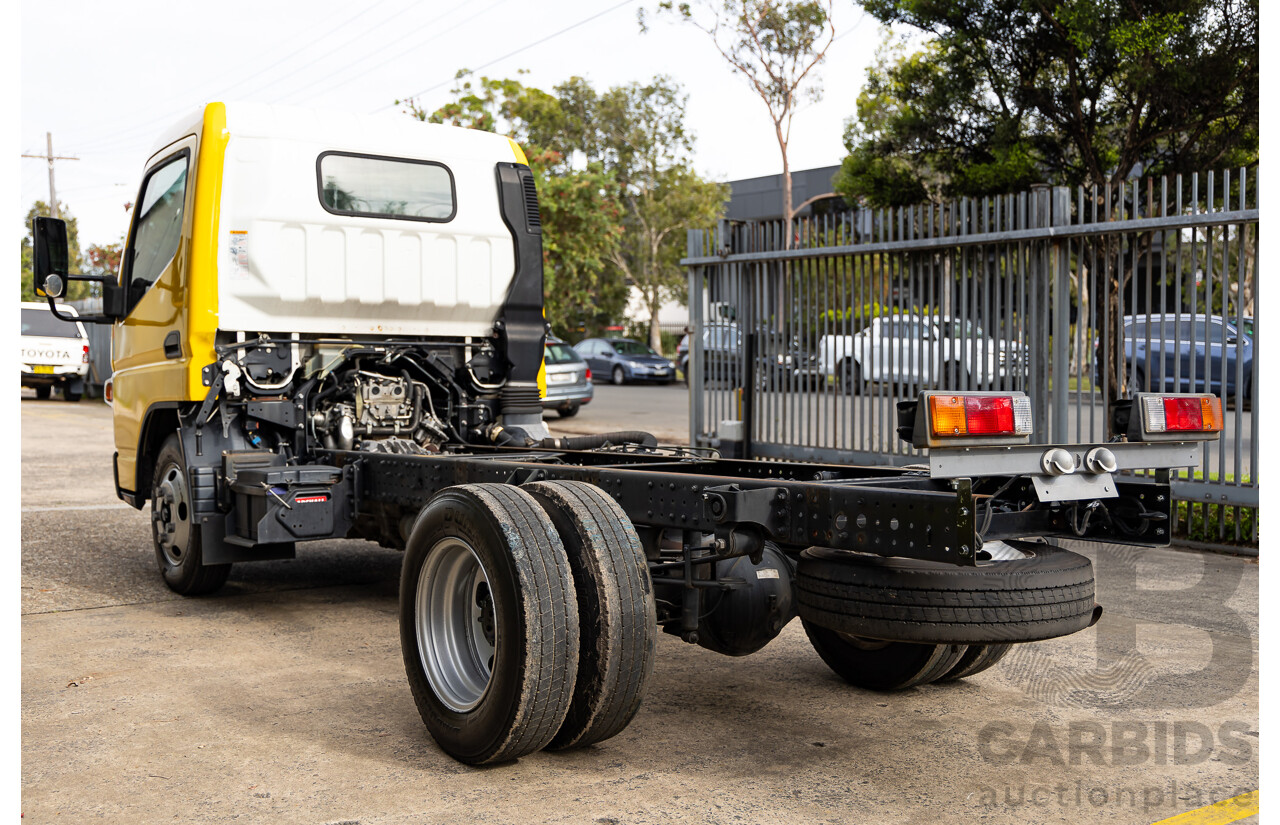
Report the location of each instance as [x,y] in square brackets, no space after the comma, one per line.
[591,442]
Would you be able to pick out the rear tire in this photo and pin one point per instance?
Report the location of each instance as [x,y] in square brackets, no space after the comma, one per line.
[488,623]
[616,612]
[179,550]
[69,395]
[44,392]
[618,376]
[976,659]
[569,411]
[878,665]
[850,375]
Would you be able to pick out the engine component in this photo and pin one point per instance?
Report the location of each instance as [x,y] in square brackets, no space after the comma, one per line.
[383,401]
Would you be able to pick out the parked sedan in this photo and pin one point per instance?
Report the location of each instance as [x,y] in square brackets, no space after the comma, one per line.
[568,379]
[1176,353]
[622,361]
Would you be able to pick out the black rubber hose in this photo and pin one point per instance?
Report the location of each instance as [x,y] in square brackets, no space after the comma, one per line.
[591,442]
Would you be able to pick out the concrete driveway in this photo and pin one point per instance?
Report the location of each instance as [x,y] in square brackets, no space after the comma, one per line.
[282,699]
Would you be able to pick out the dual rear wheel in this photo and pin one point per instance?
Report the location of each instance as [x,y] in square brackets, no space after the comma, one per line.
[526,619]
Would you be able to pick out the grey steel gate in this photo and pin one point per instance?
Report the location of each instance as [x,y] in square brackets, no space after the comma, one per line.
[1076,296]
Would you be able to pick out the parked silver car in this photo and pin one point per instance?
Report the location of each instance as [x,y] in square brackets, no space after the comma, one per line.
[568,379]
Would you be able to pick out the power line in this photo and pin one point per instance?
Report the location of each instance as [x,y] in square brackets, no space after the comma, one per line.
[400,53]
[137,131]
[514,53]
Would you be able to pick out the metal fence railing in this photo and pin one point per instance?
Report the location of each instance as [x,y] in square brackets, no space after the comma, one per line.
[1076,296]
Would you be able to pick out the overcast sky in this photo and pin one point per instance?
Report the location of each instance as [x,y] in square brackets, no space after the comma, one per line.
[106,78]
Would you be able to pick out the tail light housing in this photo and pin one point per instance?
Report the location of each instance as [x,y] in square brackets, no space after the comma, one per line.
[85,358]
[588,374]
[957,419]
[1174,417]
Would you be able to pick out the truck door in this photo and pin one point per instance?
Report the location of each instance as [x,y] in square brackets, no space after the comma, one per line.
[149,350]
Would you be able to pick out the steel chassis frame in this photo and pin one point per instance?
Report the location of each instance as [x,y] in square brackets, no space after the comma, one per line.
[884,510]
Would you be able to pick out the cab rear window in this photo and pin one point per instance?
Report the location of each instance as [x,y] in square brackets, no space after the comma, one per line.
[381,187]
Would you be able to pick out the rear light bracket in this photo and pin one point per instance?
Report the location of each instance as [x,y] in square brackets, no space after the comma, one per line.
[972,462]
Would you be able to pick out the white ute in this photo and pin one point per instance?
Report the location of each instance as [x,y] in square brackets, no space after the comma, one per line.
[54,353]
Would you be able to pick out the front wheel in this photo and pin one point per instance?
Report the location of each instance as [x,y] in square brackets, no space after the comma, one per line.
[488,623]
[619,377]
[179,551]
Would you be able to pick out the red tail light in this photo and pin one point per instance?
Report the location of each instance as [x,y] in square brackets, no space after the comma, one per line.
[85,359]
[954,414]
[588,373]
[1181,413]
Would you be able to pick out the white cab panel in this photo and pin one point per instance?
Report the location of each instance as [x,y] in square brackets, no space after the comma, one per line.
[286,264]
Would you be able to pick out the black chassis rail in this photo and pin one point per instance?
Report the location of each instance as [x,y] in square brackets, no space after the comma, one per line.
[883,510]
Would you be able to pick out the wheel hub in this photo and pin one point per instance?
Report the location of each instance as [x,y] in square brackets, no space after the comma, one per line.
[456,623]
[171,514]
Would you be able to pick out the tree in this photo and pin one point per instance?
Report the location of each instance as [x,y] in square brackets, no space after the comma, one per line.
[639,135]
[776,46]
[75,289]
[1088,92]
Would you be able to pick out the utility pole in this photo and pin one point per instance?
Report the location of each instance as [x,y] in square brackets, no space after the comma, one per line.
[51,157]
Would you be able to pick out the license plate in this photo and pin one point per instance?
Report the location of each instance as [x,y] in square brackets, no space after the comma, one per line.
[560,378]
[43,369]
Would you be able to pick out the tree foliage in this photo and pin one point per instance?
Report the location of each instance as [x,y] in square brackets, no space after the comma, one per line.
[614,185]
[776,47]
[1005,93]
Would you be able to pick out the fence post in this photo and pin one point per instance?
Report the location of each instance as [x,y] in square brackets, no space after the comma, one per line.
[1038,281]
[693,379]
[1061,303]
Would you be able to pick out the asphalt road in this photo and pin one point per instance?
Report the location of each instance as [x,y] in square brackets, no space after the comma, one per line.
[282,699]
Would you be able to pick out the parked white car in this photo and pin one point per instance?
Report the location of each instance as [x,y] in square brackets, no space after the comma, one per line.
[54,353]
[918,350]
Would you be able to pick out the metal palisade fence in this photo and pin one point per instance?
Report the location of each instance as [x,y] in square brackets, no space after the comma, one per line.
[801,347]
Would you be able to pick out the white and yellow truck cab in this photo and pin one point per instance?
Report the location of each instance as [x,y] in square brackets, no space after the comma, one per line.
[330,326]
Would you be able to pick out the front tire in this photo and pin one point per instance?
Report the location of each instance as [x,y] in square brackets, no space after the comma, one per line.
[179,551]
[618,376]
[488,623]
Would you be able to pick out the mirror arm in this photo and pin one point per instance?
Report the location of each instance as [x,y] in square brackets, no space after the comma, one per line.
[108,282]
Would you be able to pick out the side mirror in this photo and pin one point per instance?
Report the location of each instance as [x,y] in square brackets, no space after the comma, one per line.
[51,256]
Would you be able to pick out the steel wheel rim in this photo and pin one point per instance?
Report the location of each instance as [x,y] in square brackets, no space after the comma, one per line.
[456,624]
[171,513]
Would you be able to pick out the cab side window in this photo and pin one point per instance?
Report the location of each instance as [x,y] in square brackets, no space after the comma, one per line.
[158,228]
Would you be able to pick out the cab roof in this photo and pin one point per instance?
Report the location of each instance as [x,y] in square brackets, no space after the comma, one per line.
[388,133]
